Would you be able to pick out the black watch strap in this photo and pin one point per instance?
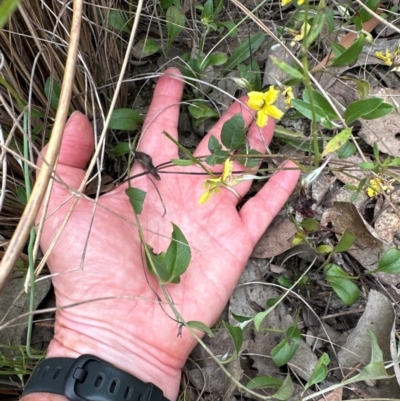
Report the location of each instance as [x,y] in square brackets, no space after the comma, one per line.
[89,378]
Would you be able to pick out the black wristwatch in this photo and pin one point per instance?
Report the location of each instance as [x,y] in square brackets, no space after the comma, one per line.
[89,378]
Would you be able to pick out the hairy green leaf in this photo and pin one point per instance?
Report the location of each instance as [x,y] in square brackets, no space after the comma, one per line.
[194,324]
[350,55]
[390,262]
[178,255]
[245,50]
[284,351]
[360,108]
[264,382]
[125,120]
[136,198]
[340,282]
[233,135]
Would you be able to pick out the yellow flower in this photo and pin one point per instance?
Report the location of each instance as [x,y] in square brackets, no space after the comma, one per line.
[286,2]
[263,104]
[288,93]
[376,187]
[213,185]
[387,58]
[305,28]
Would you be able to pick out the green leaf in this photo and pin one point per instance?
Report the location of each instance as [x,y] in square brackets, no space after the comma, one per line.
[237,338]
[215,59]
[245,50]
[372,5]
[337,49]
[119,21]
[145,48]
[125,120]
[330,19]
[213,144]
[382,110]
[156,264]
[375,370]
[285,391]
[52,90]
[264,382]
[6,9]
[178,255]
[250,75]
[337,141]
[363,87]
[287,69]
[361,108]
[339,281]
[250,161]
[231,27]
[320,101]
[390,262]
[182,162]
[194,324]
[122,148]
[218,157]
[207,15]
[367,165]
[305,108]
[315,30]
[175,23]
[136,198]
[347,150]
[200,111]
[320,371]
[284,351]
[285,282]
[350,55]
[233,134]
[240,318]
[310,225]
[395,162]
[260,316]
[166,3]
[345,243]
[324,249]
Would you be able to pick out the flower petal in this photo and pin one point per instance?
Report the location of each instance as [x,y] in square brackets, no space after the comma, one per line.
[271,96]
[228,168]
[256,100]
[262,119]
[204,198]
[285,2]
[273,111]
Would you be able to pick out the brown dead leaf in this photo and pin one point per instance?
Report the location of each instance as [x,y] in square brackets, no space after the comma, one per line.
[387,224]
[383,131]
[367,247]
[377,317]
[276,240]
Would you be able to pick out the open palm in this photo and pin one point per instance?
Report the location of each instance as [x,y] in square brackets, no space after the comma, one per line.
[100,255]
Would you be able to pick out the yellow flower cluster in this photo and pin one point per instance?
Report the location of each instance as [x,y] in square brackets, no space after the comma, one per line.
[390,58]
[376,187]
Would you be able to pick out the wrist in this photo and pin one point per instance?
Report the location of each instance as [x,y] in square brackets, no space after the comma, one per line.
[139,361]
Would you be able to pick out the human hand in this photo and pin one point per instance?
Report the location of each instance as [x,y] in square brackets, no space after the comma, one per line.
[99,253]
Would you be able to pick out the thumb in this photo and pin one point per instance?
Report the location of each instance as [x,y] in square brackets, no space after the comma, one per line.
[76,148]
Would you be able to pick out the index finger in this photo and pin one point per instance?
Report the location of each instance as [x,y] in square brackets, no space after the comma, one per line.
[163,115]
